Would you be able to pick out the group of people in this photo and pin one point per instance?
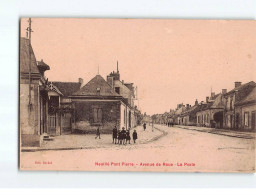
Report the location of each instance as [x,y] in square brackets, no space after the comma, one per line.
[123,137]
[120,137]
[170,124]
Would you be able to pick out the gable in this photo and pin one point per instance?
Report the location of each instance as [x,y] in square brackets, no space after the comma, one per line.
[90,89]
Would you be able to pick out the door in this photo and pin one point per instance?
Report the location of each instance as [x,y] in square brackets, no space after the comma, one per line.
[253,120]
[52,124]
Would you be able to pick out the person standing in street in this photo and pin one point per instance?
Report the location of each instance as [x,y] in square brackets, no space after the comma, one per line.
[128,137]
[114,135]
[144,126]
[134,136]
[123,136]
[97,133]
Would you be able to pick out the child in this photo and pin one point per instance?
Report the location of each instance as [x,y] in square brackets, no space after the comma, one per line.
[134,136]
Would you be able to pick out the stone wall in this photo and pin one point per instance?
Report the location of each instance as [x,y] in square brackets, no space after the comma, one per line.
[84,119]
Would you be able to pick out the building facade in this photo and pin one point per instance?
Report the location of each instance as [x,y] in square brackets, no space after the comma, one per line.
[233,116]
[33,96]
[247,108]
[208,112]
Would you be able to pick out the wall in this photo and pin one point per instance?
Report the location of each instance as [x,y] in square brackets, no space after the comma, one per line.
[249,109]
[83,119]
[124,91]
[29,118]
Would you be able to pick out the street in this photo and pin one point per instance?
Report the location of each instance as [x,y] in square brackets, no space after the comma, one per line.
[171,149]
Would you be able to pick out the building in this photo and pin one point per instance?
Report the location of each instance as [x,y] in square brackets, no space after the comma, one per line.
[33,96]
[104,104]
[126,90]
[233,116]
[208,112]
[177,116]
[247,108]
[188,116]
[60,112]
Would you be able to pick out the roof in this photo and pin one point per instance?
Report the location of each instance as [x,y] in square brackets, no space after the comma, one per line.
[180,110]
[24,57]
[90,89]
[218,103]
[242,91]
[67,88]
[251,98]
[191,110]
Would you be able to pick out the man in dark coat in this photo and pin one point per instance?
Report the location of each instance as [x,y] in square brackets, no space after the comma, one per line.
[97,133]
[134,136]
[119,137]
[144,126]
[115,135]
[128,137]
[123,135]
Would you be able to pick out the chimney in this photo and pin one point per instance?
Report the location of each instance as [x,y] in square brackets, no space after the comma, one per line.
[237,84]
[122,81]
[196,102]
[80,80]
[224,91]
[110,81]
[207,99]
[212,94]
[187,105]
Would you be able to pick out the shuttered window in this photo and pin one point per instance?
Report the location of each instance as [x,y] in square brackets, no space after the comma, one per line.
[97,115]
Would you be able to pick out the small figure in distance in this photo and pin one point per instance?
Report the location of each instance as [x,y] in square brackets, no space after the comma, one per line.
[97,133]
[134,136]
[144,126]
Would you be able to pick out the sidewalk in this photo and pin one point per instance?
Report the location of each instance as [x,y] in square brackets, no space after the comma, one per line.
[225,132]
[88,141]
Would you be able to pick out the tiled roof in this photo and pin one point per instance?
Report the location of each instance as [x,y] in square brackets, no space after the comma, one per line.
[90,89]
[24,57]
[251,98]
[242,91]
[191,110]
[67,88]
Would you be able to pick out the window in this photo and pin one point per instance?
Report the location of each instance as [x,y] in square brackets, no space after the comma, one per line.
[246,119]
[97,115]
[98,91]
[124,118]
[117,90]
[231,104]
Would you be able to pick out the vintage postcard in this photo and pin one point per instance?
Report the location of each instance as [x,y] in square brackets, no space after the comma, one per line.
[154,95]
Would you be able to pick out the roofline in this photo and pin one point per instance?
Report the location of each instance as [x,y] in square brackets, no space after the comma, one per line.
[95,97]
[245,103]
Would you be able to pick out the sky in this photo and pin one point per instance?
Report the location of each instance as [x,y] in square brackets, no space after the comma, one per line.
[170,61]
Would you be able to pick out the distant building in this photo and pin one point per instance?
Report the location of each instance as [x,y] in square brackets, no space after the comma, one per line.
[188,116]
[177,116]
[207,114]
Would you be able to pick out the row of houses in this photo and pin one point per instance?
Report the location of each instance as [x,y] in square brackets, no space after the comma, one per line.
[56,108]
[234,109]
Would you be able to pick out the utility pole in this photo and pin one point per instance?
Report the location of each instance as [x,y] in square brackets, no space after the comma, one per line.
[29,30]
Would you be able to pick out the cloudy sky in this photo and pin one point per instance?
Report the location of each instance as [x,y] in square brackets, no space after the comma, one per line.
[171,61]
